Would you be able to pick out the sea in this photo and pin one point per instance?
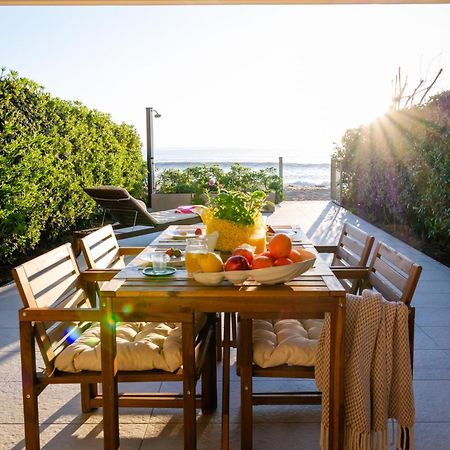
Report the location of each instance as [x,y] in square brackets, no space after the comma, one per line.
[296,174]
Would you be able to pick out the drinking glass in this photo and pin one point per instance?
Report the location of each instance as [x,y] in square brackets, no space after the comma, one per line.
[194,248]
[159,262]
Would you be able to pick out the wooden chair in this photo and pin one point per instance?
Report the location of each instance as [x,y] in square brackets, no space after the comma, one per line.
[352,250]
[57,310]
[101,250]
[390,273]
[394,276]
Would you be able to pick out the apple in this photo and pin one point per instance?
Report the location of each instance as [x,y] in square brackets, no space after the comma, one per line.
[236,262]
[198,231]
[245,252]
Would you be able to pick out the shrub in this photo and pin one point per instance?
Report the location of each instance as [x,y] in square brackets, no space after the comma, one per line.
[396,171]
[203,178]
[49,150]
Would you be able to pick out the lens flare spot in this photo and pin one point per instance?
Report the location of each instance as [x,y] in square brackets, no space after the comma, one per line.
[72,334]
[128,308]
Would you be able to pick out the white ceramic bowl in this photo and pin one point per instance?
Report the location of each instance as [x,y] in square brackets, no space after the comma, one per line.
[209,278]
[237,276]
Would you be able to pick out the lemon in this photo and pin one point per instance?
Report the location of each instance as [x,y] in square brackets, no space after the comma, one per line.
[210,262]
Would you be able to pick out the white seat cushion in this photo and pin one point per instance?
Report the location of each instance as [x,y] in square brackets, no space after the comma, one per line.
[140,346]
[286,341]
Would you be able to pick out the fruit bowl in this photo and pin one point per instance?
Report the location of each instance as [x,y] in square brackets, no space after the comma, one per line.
[268,275]
[281,274]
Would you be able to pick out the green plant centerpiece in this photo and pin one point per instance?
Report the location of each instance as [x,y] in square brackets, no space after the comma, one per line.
[237,217]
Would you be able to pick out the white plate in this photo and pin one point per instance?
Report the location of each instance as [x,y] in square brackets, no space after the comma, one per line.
[287,232]
[180,234]
[211,278]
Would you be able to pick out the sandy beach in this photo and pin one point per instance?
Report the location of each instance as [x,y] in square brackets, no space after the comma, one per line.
[294,192]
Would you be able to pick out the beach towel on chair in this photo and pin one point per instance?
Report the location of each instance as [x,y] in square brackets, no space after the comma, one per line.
[377,374]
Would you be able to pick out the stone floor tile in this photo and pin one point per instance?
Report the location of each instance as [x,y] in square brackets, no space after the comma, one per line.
[431,359]
[433,287]
[434,300]
[9,338]
[169,436]
[432,436]
[440,335]
[426,373]
[432,400]
[288,436]
[429,316]
[422,341]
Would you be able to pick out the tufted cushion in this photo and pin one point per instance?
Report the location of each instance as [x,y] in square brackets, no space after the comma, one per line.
[286,341]
[140,346]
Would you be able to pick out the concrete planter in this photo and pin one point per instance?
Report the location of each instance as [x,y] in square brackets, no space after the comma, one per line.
[161,202]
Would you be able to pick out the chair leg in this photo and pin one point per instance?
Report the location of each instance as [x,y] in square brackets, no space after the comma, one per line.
[189,410]
[29,387]
[245,369]
[209,375]
[88,392]
[219,337]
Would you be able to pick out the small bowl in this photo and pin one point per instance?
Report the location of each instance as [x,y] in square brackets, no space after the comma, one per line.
[237,276]
[209,278]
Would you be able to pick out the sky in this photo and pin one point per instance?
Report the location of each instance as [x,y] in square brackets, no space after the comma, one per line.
[237,83]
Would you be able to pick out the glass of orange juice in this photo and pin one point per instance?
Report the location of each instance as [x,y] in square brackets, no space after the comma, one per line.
[194,248]
[258,240]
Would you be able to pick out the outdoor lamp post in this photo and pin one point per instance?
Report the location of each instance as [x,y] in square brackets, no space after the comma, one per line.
[150,112]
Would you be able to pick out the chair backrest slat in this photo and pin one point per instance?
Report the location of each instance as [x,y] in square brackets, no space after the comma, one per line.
[393,275]
[52,280]
[346,257]
[101,249]
[352,245]
[353,249]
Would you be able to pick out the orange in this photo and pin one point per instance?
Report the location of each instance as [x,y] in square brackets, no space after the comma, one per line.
[295,256]
[266,253]
[282,262]
[280,246]
[260,262]
[303,254]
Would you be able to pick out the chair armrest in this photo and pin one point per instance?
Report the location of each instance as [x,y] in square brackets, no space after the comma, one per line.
[350,272]
[130,250]
[62,315]
[326,248]
[94,275]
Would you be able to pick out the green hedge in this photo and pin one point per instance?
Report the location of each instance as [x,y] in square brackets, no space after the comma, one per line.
[396,171]
[199,179]
[49,150]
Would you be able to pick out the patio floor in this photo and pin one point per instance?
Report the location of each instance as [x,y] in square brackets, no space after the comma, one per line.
[63,426]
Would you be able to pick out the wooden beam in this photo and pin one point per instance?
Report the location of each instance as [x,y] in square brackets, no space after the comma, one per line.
[209,2]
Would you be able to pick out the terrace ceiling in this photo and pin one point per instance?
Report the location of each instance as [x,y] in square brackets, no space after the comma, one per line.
[215,2]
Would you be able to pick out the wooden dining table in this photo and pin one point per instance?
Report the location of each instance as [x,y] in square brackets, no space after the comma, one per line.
[317,292]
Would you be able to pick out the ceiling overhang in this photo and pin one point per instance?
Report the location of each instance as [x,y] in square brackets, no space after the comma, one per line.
[211,2]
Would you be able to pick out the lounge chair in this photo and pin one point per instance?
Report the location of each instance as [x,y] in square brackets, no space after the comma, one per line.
[130,214]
